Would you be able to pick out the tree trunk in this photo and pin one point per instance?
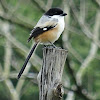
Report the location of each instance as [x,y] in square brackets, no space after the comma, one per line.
[50,75]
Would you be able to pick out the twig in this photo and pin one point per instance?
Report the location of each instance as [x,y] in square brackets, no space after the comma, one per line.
[82,11]
[16,21]
[92,52]
[65,37]
[24,49]
[70,96]
[41,5]
[8,83]
[49,3]
[79,88]
[83,26]
[15,18]
[1,72]
[98,1]
[4,5]
[8,52]
[14,94]
[73,52]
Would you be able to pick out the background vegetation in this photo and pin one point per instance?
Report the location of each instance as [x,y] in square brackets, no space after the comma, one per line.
[81,78]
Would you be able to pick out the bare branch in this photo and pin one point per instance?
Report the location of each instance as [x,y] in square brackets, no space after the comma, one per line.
[8,52]
[65,37]
[98,1]
[82,11]
[13,92]
[73,29]
[15,20]
[49,3]
[4,5]
[8,83]
[36,61]
[70,96]
[40,4]
[84,27]
[79,89]
[73,52]
[97,57]
[13,17]
[1,72]
[93,50]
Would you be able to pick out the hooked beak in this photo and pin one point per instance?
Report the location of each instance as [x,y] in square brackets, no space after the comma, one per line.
[64,14]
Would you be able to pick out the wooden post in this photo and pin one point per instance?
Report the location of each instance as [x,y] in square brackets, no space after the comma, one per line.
[50,75]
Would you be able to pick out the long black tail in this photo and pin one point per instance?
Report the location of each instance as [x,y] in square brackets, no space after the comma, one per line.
[27,59]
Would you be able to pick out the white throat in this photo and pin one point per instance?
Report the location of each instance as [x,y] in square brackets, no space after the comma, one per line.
[61,24]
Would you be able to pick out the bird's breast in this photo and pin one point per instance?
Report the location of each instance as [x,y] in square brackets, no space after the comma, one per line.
[61,26]
[51,35]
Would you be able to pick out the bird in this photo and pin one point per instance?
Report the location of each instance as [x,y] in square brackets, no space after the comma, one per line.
[47,30]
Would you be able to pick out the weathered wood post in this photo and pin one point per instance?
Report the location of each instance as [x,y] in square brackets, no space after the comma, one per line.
[50,75]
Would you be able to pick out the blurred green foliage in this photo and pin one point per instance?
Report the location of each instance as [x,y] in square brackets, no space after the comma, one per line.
[29,10]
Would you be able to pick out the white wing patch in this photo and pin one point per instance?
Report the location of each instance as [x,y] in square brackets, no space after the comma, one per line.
[44,29]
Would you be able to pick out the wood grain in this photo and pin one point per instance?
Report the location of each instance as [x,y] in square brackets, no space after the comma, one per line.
[50,75]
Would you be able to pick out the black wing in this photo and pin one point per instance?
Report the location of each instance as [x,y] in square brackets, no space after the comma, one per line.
[37,31]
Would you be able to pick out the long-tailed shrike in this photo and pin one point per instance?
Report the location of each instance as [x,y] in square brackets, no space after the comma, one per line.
[47,30]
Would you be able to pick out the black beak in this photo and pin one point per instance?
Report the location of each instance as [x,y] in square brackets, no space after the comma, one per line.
[64,14]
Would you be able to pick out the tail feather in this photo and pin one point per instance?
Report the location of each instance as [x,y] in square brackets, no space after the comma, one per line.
[30,38]
[27,59]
